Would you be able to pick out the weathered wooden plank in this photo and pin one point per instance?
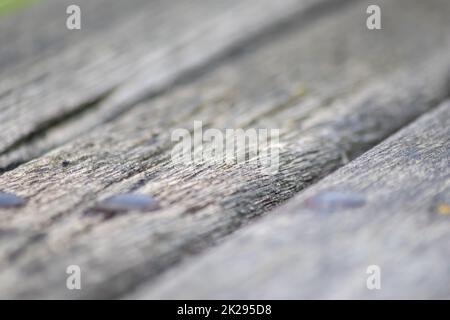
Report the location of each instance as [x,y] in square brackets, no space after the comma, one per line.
[327,105]
[390,207]
[167,40]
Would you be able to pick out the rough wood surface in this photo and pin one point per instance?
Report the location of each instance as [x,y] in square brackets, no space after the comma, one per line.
[65,92]
[303,251]
[332,87]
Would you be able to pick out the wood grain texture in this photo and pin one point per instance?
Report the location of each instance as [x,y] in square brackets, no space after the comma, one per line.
[333,88]
[302,251]
[110,66]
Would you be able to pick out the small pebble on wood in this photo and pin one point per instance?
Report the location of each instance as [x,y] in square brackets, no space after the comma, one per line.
[126,202]
[8,200]
[332,201]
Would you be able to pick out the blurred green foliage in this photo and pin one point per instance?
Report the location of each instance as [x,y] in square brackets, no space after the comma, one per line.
[8,6]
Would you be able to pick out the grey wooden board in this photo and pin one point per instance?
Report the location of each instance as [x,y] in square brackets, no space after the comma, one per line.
[137,55]
[332,87]
[302,251]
